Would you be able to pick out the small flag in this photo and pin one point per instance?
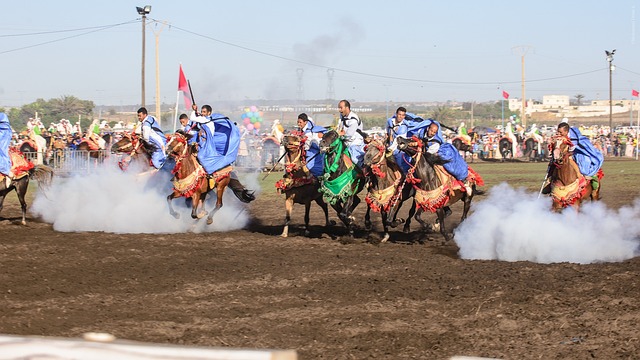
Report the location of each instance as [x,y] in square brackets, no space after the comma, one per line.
[505,94]
[184,87]
[635,93]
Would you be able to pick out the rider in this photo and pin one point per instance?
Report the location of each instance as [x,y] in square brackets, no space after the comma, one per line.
[218,139]
[588,158]
[399,125]
[315,161]
[152,133]
[454,164]
[189,128]
[93,135]
[351,126]
[535,133]
[509,132]
[5,140]
[463,134]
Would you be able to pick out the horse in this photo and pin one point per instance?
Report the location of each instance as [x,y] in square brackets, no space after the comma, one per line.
[568,186]
[95,153]
[24,170]
[298,184]
[342,180]
[135,147]
[531,149]
[435,188]
[191,180]
[387,188]
[459,143]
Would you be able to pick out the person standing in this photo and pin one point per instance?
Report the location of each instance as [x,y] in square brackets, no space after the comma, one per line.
[509,132]
[5,141]
[152,134]
[351,126]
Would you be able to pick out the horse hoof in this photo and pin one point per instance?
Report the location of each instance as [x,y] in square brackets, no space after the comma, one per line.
[385,238]
[332,222]
[367,226]
[307,233]
[406,230]
[23,222]
[209,221]
[284,235]
[176,215]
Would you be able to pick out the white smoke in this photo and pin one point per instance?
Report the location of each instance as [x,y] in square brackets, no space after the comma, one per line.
[514,225]
[110,200]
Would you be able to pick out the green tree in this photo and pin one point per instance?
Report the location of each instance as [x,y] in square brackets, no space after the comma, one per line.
[579,98]
[442,114]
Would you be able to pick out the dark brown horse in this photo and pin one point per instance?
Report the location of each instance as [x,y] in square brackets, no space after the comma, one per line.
[298,184]
[136,149]
[95,153]
[191,180]
[23,170]
[342,180]
[568,186]
[387,187]
[435,188]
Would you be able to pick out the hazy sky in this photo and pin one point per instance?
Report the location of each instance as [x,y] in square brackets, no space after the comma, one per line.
[379,50]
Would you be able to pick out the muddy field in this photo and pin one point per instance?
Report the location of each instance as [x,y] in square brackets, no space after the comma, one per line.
[326,296]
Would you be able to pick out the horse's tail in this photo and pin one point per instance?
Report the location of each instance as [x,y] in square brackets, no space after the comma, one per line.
[242,193]
[43,174]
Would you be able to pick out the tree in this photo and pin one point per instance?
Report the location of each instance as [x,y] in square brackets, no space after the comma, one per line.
[579,98]
[442,113]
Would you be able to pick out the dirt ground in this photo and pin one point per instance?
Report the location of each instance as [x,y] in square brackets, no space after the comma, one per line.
[324,296]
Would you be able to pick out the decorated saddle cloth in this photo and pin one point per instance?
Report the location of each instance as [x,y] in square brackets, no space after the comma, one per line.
[20,166]
[188,185]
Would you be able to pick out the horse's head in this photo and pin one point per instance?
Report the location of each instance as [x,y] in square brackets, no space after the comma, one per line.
[177,144]
[125,144]
[374,152]
[292,141]
[329,141]
[409,145]
[560,146]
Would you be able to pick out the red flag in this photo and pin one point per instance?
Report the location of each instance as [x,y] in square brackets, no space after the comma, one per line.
[183,86]
[634,93]
[505,94]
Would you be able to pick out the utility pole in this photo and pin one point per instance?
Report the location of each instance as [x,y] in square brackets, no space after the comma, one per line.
[156,32]
[611,68]
[143,11]
[523,50]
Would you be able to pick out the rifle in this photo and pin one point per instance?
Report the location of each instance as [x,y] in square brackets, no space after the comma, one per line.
[274,166]
[193,100]
[545,179]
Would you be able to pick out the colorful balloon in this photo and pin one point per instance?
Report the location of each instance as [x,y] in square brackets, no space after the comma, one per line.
[256,125]
[249,126]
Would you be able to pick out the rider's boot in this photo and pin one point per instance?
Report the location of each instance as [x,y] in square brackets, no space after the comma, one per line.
[594,183]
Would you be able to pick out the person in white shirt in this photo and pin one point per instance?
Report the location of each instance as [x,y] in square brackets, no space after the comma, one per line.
[351,126]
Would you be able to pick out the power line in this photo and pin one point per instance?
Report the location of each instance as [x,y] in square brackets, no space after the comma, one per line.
[62,31]
[69,37]
[370,74]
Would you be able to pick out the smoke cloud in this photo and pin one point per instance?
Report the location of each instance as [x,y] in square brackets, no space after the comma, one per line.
[514,225]
[113,201]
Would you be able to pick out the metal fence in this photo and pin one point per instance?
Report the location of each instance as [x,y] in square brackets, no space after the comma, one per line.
[70,161]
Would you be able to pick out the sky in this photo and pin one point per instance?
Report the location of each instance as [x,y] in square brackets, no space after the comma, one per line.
[411,51]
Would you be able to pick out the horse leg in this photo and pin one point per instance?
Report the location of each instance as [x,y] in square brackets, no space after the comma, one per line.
[385,226]
[467,205]
[367,219]
[173,213]
[418,217]
[2,196]
[307,207]
[288,208]
[198,203]
[325,209]
[220,192]
[412,212]
[443,230]
[21,190]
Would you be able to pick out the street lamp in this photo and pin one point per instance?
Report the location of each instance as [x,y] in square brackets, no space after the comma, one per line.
[611,68]
[143,11]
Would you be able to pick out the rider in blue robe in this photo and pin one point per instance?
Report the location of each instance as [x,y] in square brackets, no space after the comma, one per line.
[588,158]
[315,159]
[218,140]
[152,133]
[453,161]
[398,126]
[5,140]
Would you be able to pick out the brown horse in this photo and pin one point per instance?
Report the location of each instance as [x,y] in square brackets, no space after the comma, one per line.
[137,150]
[23,170]
[191,180]
[435,188]
[568,186]
[298,184]
[387,187]
[92,148]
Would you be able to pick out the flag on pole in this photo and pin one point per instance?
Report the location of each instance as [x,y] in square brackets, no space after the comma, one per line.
[634,93]
[184,87]
[505,94]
